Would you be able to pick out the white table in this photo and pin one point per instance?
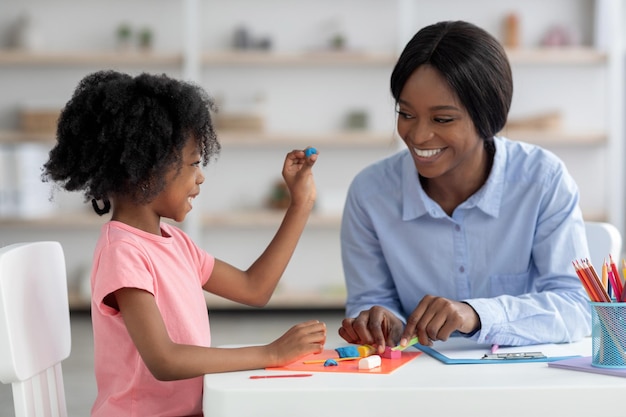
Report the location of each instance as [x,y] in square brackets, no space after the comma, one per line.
[422,387]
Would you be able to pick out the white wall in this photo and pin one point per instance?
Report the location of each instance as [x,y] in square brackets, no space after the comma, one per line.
[301,100]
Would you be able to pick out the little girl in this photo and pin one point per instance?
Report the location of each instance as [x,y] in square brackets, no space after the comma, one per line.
[136,146]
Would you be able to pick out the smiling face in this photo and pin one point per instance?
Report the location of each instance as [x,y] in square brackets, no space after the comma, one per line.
[182,185]
[439,132]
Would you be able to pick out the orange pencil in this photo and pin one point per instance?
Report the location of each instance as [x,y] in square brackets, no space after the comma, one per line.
[595,281]
[586,284]
[605,275]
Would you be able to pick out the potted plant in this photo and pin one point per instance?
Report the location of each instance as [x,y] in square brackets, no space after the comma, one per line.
[123,35]
[146,37]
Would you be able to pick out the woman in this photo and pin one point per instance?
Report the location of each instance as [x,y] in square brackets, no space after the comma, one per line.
[464,232]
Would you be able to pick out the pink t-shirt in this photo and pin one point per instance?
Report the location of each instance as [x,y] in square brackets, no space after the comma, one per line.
[173,269]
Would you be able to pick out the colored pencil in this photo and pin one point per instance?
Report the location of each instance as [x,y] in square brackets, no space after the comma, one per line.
[603,295]
[616,291]
[279,376]
[614,285]
[591,282]
[605,275]
[584,281]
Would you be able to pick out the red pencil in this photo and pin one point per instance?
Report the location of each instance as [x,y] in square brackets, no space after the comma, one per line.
[279,376]
[618,281]
[603,295]
[585,282]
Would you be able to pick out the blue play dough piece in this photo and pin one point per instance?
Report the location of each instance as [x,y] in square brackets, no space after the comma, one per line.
[310,151]
[330,362]
[348,352]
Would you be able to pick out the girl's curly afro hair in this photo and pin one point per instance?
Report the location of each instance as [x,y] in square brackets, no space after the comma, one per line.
[119,134]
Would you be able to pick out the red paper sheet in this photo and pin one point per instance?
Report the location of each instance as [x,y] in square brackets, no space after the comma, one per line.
[387,365]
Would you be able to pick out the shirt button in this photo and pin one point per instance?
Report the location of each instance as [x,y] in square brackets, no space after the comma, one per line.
[461,269]
[457,227]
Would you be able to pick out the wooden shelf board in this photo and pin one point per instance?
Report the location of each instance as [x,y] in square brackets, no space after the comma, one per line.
[543,55]
[562,138]
[240,219]
[247,139]
[329,139]
[290,300]
[312,58]
[16,137]
[237,219]
[597,216]
[67,58]
[78,302]
[79,219]
[361,139]
[264,218]
[557,55]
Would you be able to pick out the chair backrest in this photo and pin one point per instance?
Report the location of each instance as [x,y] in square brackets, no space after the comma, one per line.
[34,327]
[603,239]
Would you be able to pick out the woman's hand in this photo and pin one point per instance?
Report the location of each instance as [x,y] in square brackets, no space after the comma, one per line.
[377,327]
[435,318]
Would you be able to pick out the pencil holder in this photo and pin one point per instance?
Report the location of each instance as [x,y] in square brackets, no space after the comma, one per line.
[608,335]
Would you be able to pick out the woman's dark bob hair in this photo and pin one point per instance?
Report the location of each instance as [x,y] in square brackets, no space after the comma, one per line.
[473,63]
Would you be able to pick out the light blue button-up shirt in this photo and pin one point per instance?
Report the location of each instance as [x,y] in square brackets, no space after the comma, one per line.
[507,250]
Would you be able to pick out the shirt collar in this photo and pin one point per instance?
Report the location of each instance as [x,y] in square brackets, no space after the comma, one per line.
[488,198]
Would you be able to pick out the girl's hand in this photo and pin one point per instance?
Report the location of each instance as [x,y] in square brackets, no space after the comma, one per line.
[377,327]
[435,318]
[299,341]
[299,176]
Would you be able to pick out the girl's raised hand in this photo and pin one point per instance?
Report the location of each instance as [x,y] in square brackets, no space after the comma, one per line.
[298,175]
[301,340]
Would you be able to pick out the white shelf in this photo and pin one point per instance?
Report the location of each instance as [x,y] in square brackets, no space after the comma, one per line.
[190,61]
[325,298]
[307,59]
[265,218]
[244,219]
[322,298]
[339,139]
[342,139]
[75,220]
[78,58]
[556,55]
[557,138]
[232,219]
[17,137]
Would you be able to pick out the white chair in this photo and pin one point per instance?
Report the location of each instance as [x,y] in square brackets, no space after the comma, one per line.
[34,327]
[603,239]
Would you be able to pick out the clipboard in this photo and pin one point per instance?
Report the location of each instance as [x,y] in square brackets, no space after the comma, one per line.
[459,350]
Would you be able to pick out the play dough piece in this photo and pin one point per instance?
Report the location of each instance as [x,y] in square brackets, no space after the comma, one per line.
[389,353]
[348,352]
[370,362]
[310,151]
[366,350]
[331,362]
